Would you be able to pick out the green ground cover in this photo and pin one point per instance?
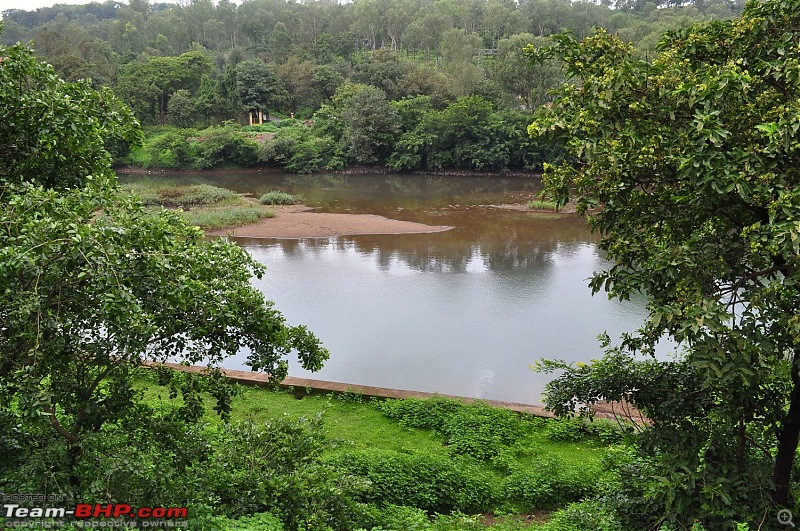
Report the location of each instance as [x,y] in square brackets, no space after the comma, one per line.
[435,464]
[208,207]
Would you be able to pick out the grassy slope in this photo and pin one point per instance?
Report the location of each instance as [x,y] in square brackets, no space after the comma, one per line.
[357,424]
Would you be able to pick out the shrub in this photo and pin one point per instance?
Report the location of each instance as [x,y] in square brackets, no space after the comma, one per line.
[427,413]
[429,482]
[225,147]
[574,429]
[548,484]
[269,127]
[180,196]
[253,522]
[395,517]
[582,516]
[542,205]
[229,216]
[477,430]
[567,429]
[167,148]
[275,467]
[276,197]
[296,149]
[482,431]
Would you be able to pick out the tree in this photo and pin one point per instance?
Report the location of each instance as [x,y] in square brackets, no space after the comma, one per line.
[92,285]
[182,109]
[280,43]
[258,86]
[148,84]
[53,132]
[526,84]
[325,79]
[686,166]
[370,125]
[297,80]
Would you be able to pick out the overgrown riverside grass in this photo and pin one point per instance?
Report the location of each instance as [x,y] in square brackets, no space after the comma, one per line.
[203,205]
[276,197]
[426,457]
[542,205]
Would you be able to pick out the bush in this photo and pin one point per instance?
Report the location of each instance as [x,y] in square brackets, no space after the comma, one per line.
[181,196]
[574,429]
[427,413]
[166,148]
[395,517]
[432,483]
[548,484]
[229,216]
[567,429]
[253,522]
[276,197]
[542,205]
[482,431]
[275,467]
[296,149]
[582,516]
[269,127]
[225,147]
[476,430]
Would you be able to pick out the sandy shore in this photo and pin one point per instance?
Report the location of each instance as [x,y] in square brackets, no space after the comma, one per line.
[299,221]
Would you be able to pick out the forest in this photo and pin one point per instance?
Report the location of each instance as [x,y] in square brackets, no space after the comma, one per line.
[408,84]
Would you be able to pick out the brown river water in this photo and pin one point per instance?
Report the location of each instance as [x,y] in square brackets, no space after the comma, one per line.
[461,312]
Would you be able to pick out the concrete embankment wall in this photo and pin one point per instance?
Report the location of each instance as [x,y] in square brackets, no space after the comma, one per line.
[303,386]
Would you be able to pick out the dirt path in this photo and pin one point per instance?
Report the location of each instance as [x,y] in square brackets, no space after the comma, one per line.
[299,221]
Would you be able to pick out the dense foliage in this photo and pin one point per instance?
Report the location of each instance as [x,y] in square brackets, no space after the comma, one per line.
[93,286]
[686,165]
[202,63]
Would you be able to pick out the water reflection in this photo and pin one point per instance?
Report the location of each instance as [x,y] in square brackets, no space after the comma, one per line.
[460,312]
[416,313]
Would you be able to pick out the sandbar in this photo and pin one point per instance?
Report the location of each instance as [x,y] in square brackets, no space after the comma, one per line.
[299,221]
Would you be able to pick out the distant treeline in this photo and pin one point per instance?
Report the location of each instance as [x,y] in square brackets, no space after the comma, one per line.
[202,63]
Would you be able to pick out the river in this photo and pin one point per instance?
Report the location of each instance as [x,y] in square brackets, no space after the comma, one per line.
[461,312]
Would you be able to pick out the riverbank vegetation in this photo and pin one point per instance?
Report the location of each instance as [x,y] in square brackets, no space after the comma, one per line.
[208,207]
[360,127]
[404,84]
[276,197]
[354,462]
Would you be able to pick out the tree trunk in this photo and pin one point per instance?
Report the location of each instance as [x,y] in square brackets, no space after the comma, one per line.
[787,439]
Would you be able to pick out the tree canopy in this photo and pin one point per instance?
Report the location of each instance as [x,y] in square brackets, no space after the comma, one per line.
[687,167]
[93,286]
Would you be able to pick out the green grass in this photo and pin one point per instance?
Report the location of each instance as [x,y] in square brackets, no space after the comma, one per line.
[276,197]
[208,207]
[180,196]
[542,205]
[217,218]
[540,464]
[357,423]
